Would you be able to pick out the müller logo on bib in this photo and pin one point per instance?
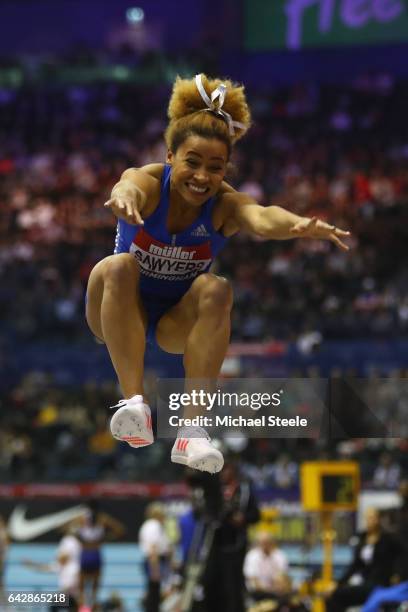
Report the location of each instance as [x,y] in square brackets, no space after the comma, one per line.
[165,262]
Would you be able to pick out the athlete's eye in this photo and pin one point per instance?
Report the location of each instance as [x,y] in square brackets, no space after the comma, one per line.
[216,169]
[192,163]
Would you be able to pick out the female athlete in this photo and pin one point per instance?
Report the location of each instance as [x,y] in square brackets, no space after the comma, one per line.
[173,219]
[93,529]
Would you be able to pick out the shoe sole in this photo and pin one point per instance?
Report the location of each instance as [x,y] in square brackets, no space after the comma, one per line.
[209,462]
[129,425]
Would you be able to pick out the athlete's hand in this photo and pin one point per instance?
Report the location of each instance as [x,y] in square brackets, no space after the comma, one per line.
[314,228]
[126,208]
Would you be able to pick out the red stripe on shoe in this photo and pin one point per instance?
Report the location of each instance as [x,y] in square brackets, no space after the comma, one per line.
[182,444]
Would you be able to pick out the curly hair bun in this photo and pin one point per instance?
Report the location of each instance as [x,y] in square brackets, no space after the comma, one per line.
[186,104]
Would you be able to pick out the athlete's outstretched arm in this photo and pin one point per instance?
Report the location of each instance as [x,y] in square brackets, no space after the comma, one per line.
[277,223]
[130,194]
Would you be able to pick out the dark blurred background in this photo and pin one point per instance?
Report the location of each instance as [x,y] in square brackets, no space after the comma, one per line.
[83,95]
[84,88]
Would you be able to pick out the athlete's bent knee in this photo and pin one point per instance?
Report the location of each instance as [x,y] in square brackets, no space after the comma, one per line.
[121,269]
[215,294]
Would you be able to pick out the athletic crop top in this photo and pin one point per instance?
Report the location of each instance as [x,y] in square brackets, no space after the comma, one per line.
[91,533]
[170,262]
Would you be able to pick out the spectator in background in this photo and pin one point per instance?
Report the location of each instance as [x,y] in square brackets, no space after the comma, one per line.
[387,473]
[223,578]
[260,471]
[285,472]
[156,549]
[372,566]
[266,569]
[66,566]
[398,592]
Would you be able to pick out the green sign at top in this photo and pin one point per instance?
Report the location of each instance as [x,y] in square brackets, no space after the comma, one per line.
[295,24]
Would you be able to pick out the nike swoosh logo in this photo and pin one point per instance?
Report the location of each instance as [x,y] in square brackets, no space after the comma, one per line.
[22,529]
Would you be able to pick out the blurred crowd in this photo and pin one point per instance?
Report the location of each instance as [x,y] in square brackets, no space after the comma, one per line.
[334,151]
[338,152]
[39,421]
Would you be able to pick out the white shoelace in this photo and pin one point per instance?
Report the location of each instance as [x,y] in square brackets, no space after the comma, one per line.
[124,402]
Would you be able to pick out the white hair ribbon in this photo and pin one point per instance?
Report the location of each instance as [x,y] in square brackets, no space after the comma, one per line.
[219,93]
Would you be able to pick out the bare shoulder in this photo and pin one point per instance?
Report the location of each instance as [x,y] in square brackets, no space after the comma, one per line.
[154,170]
[148,179]
[228,201]
[147,175]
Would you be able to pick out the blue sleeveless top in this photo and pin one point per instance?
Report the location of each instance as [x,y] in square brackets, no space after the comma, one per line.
[169,263]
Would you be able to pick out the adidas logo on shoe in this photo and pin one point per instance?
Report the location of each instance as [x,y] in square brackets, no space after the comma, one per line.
[197,453]
[181,444]
[201,230]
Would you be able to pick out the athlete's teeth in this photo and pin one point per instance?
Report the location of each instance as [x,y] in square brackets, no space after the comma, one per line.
[198,189]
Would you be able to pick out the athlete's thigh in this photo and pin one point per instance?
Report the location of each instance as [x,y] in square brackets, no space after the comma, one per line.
[175,325]
[111,265]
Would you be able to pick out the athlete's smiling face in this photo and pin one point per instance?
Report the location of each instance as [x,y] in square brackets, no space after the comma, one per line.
[198,168]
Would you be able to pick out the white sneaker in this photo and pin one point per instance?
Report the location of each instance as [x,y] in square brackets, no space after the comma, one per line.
[197,453]
[132,423]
